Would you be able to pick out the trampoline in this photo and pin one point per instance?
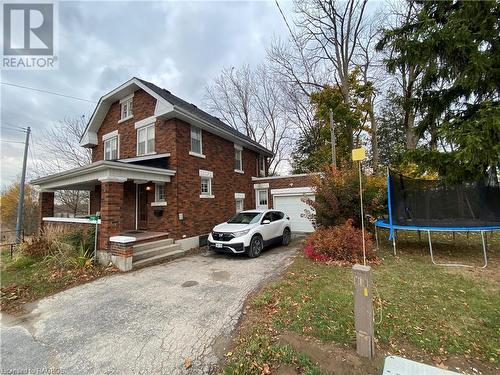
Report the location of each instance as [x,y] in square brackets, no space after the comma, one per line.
[434,206]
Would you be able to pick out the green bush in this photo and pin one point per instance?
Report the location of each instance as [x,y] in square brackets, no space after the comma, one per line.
[337,197]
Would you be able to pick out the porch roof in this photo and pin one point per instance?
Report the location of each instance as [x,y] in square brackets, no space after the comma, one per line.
[86,177]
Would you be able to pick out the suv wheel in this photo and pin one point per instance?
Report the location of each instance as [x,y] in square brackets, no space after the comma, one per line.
[287,236]
[256,246]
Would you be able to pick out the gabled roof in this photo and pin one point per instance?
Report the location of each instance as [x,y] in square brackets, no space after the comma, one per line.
[168,106]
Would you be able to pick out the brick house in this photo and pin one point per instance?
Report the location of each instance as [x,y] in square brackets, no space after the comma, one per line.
[163,173]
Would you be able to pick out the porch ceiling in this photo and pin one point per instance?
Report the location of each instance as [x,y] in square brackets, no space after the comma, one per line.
[86,177]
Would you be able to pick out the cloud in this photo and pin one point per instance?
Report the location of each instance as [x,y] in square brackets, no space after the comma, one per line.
[180,46]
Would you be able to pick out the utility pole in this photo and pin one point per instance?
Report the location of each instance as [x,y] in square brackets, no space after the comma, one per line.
[20,204]
[333,141]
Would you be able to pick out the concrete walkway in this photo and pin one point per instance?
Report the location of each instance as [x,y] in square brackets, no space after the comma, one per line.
[142,322]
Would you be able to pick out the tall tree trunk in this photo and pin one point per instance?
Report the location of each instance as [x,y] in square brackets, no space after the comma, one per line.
[374,140]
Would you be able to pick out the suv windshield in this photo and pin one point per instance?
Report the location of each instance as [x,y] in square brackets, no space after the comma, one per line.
[245,218]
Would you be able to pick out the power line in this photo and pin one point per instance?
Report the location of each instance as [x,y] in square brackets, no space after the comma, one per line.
[12,129]
[10,141]
[46,92]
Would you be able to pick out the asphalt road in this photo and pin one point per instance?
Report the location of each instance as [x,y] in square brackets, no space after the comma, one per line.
[142,322]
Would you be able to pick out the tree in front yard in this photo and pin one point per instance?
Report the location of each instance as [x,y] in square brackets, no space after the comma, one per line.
[9,199]
[337,197]
[457,46]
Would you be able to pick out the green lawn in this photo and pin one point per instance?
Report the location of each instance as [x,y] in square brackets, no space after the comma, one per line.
[433,310]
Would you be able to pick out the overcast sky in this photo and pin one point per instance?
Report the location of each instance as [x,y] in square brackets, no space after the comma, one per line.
[180,46]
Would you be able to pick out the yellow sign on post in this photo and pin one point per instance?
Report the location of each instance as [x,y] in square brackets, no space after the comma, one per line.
[358,154]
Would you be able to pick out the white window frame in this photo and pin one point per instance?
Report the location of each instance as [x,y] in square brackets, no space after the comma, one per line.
[106,139]
[240,201]
[257,203]
[147,151]
[238,150]
[262,166]
[194,129]
[208,176]
[158,200]
[126,108]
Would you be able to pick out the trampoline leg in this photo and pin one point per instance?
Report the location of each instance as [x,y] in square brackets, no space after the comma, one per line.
[419,236]
[394,243]
[485,245]
[455,264]
[376,237]
[430,246]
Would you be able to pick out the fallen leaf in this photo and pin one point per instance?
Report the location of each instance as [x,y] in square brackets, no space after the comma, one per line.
[265,369]
[442,365]
[188,362]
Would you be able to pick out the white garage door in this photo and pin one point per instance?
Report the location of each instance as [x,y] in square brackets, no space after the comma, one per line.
[295,208]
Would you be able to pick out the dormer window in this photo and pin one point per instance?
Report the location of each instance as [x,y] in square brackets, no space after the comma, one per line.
[126,108]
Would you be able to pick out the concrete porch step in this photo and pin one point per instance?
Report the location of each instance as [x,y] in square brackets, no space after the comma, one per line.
[158,258]
[153,244]
[144,253]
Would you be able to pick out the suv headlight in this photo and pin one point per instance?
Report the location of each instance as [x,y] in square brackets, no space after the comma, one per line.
[240,233]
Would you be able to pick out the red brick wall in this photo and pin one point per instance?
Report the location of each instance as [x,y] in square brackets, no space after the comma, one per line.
[46,202]
[112,215]
[293,181]
[183,192]
[143,106]
[202,214]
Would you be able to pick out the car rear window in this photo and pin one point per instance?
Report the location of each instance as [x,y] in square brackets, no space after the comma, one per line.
[245,218]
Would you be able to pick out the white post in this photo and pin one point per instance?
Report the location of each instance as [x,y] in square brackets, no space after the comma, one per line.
[362,214]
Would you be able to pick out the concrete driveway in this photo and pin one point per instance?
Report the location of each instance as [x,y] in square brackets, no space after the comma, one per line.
[142,322]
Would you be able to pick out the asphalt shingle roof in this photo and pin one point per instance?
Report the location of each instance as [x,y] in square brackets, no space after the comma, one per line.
[191,108]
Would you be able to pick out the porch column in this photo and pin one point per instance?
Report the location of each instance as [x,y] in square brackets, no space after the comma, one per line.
[111,208]
[46,201]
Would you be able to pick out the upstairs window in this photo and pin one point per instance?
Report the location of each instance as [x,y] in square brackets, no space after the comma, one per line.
[238,158]
[262,166]
[111,148]
[146,140]
[196,143]
[126,108]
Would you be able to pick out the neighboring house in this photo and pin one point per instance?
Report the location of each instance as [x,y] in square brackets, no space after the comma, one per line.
[163,170]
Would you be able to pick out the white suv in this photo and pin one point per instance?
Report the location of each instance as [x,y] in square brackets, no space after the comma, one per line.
[249,231]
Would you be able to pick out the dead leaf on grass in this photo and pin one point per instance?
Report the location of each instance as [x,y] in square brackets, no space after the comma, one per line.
[265,369]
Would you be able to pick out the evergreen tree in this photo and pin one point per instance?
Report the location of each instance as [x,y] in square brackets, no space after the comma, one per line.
[456,44]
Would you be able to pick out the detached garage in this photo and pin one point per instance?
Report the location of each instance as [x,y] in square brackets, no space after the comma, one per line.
[291,202]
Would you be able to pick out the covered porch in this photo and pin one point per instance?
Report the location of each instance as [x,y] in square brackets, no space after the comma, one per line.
[130,199]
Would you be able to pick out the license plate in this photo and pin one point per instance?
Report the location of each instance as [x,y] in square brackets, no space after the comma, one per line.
[218,245]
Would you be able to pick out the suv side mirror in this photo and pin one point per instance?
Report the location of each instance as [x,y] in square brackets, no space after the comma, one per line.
[266,221]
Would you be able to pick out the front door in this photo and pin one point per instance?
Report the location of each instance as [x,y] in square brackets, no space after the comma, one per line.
[142,207]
